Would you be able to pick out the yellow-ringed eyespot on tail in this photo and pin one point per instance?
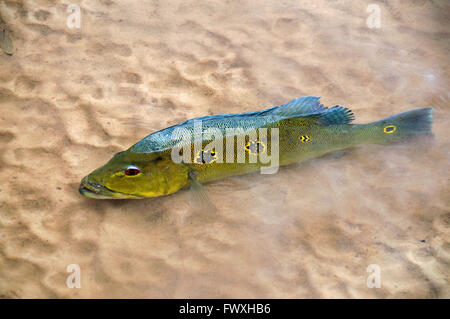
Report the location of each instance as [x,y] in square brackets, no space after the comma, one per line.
[304,138]
[389,129]
[253,146]
[206,157]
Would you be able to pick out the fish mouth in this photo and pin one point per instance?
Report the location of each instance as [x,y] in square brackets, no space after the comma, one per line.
[97,191]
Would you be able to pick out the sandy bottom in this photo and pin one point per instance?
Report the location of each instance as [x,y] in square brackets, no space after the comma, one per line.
[71,98]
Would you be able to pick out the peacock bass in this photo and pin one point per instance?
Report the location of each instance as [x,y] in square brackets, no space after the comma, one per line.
[213,147]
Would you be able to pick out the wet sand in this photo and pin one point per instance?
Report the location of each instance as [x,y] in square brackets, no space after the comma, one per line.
[71,98]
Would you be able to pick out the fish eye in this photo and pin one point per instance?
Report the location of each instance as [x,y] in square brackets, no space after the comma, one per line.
[132,171]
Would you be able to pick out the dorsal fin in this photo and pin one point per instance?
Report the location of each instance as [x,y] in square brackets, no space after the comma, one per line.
[309,106]
[300,106]
[336,115]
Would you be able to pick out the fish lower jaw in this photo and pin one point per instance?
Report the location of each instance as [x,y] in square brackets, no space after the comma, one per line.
[92,194]
[91,190]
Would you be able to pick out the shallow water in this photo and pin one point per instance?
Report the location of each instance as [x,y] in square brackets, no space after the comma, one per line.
[71,98]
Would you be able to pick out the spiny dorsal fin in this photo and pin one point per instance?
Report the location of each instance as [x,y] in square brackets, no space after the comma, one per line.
[336,115]
[309,106]
[300,106]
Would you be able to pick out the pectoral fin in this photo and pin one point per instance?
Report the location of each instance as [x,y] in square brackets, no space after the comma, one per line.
[199,197]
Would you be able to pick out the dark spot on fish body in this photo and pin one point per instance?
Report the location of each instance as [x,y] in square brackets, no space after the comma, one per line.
[253,147]
[205,157]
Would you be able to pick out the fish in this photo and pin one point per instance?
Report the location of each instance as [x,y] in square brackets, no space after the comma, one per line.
[213,147]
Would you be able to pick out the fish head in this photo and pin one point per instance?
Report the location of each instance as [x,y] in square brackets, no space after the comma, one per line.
[135,175]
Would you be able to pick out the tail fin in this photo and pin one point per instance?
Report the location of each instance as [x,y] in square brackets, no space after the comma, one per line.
[403,126]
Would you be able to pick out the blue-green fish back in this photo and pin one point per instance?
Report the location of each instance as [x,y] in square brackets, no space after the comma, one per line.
[307,107]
